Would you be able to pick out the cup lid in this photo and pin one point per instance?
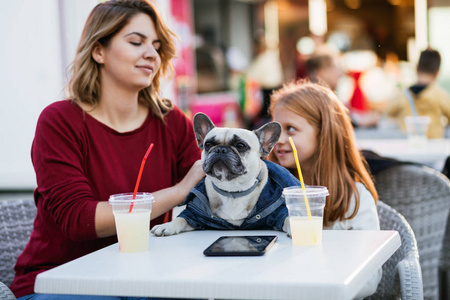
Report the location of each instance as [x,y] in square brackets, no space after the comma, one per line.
[310,191]
[126,198]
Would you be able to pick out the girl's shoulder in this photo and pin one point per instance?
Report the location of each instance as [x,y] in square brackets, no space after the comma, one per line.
[366,200]
[362,188]
[366,218]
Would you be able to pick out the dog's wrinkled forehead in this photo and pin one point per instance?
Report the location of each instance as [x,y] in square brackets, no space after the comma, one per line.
[232,136]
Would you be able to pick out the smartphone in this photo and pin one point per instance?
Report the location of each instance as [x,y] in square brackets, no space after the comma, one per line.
[241,245]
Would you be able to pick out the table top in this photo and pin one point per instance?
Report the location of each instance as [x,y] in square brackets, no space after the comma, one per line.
[434,151]
[175,267]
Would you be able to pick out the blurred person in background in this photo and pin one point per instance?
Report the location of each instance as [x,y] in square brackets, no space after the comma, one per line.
[91,146]
[266,71]
[429,98]
[210,62]
[324,68]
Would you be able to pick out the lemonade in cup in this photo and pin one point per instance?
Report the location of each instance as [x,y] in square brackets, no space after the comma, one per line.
[133,225]
[306,225]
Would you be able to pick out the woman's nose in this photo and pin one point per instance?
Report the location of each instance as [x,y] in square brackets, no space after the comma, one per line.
[151,52]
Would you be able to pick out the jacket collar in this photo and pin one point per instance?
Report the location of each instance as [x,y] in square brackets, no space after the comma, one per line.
[241,193]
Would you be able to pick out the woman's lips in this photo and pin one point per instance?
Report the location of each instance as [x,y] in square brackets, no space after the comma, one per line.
[146,69]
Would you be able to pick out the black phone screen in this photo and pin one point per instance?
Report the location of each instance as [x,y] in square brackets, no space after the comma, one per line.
[240,245]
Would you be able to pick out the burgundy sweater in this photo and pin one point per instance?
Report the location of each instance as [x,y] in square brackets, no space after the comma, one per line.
[78,162]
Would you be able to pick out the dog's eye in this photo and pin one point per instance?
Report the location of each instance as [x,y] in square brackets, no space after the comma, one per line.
[208,145]
[240,146]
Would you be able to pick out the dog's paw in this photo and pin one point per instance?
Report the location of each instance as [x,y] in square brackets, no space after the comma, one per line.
[287,227]
[165,229]
[176,226]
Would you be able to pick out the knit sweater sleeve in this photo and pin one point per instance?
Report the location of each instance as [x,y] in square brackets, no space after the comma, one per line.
[58,156]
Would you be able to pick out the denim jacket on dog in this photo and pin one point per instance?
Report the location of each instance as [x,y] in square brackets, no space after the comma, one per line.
[269,212]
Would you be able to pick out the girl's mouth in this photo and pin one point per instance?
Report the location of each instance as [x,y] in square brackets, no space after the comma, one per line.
[282,153]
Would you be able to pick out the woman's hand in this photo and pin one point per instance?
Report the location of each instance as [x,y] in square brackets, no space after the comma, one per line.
[168,198]
[192,178]
[165,200]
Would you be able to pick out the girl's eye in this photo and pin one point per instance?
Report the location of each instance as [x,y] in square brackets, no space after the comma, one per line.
[135,43]
[290,129]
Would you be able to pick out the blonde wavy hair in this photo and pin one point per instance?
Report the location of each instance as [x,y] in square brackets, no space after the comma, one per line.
[338,164]
[106,20]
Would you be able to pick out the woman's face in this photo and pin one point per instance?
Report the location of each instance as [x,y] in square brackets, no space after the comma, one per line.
[131,59]
[303,135]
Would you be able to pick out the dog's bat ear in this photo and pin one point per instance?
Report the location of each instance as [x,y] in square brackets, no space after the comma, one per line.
[202,125]
[268,136]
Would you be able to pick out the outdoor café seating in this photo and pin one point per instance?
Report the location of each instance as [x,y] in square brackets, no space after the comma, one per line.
[422,195]
[5,292]
[402,276]
[444,265]
[16,223]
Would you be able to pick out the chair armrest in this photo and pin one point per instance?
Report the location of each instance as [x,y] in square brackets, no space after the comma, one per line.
[5,292]
[410,273]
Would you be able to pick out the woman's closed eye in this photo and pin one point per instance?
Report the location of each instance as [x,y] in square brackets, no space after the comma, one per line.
[157,46]
[136,43]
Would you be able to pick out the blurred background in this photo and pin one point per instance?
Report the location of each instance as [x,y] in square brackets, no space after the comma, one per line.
[231,55]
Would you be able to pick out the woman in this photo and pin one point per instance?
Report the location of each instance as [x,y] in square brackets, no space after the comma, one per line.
[91,146]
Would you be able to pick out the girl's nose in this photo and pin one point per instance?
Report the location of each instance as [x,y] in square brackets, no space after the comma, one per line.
[283,137]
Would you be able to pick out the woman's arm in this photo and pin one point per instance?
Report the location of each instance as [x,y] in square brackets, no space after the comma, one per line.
[168,198]
[165,200]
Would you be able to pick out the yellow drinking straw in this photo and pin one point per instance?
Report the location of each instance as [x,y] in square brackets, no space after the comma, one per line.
[300,177]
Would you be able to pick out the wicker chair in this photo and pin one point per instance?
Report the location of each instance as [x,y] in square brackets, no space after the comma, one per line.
[16,223]
[422,195]
[5,293]
[444,265]
[402,275]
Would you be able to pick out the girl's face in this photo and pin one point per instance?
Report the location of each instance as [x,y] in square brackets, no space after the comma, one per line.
[131,59]
[303,135]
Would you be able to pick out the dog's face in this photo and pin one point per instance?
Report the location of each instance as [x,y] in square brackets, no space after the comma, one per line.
[232,153]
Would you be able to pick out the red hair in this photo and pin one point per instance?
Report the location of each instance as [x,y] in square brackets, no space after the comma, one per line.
[338,164]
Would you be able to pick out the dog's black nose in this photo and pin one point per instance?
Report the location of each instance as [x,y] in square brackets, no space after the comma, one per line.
[222,150]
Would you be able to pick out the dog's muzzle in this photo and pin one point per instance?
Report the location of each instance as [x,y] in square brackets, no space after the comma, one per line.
[223,160]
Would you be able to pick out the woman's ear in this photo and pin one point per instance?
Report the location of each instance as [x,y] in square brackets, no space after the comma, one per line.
[97,53]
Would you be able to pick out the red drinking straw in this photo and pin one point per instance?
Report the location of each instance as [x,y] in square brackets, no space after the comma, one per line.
[140,175]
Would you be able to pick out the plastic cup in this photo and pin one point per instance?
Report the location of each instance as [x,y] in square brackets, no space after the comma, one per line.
[132,227]
[416,130]
[306,231]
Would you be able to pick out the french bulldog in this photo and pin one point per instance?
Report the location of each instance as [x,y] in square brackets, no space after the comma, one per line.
[233,194]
